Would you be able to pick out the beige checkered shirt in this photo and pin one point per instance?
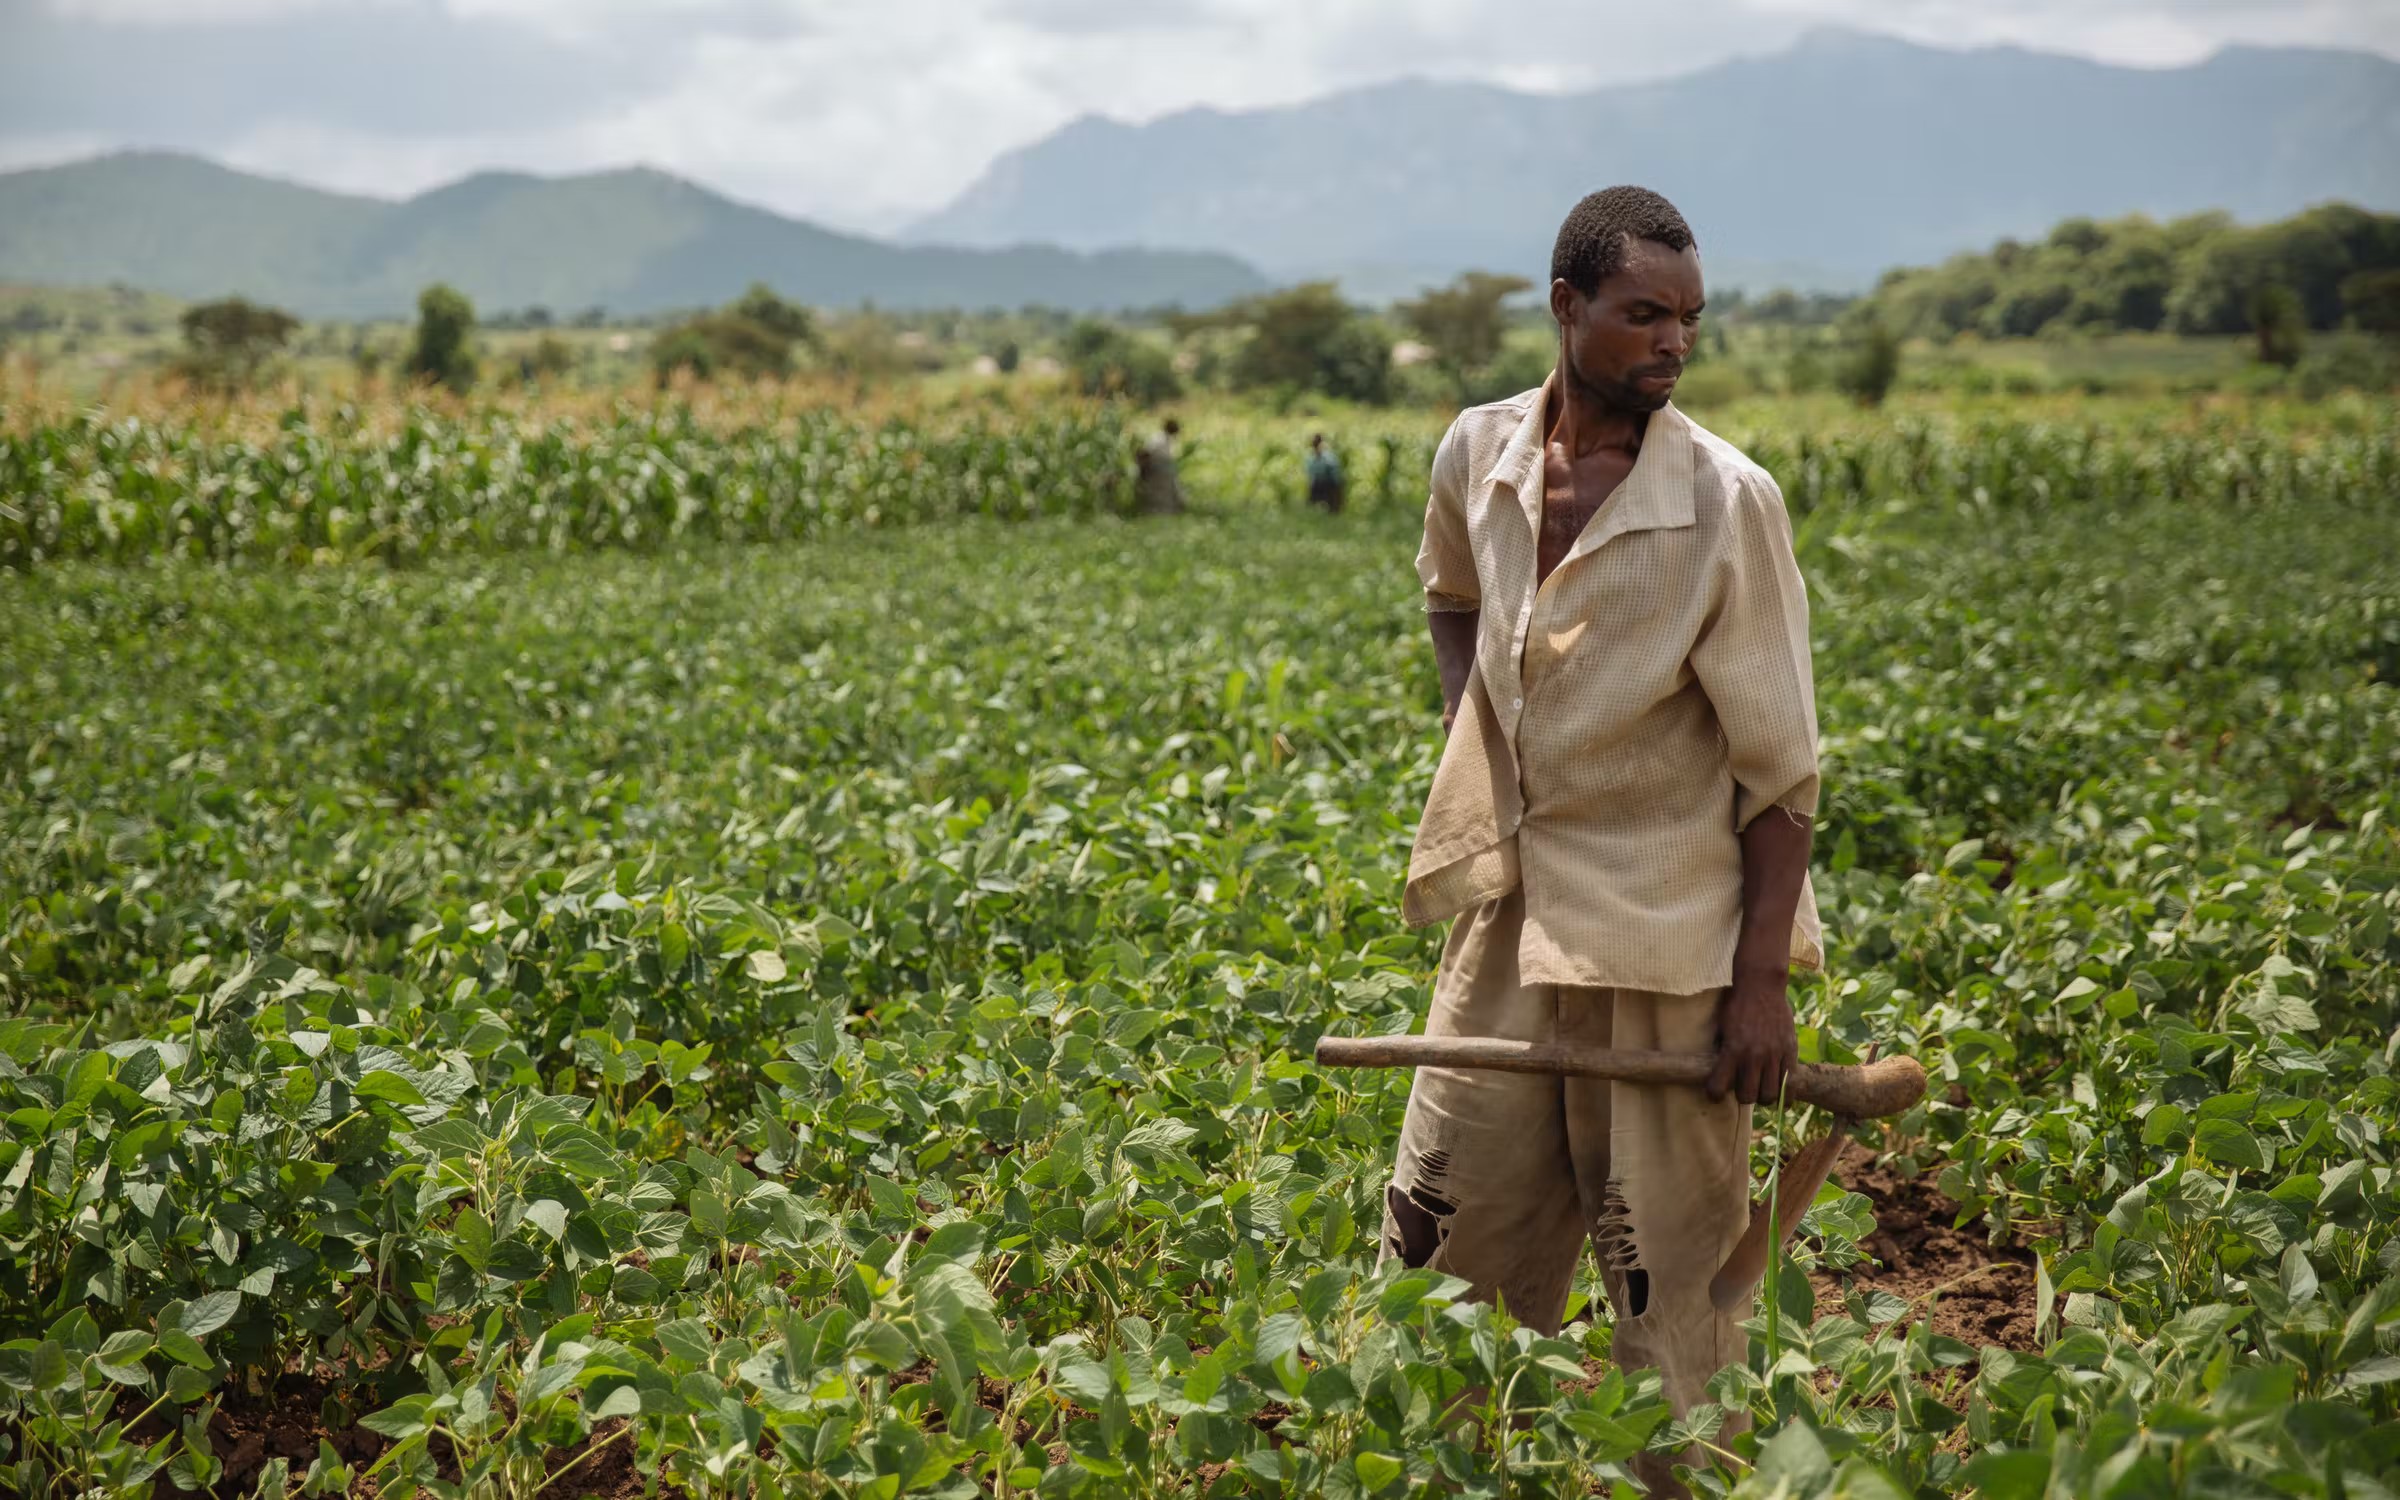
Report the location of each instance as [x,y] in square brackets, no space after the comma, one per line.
[1625,720]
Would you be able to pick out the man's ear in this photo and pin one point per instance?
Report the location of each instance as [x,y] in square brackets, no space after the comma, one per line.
[1566,303]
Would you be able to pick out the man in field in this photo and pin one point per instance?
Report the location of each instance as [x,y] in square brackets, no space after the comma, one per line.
[1325,487]
[1620,824]
[1157,486]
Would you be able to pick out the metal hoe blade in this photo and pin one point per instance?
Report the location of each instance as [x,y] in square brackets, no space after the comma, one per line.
[1796,1184]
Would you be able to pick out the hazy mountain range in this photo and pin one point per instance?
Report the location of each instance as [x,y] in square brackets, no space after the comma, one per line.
[633,241]
[1814,167]
[1823,164]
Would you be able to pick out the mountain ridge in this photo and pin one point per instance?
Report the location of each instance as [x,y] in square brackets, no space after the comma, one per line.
[634,239]
[1841,155]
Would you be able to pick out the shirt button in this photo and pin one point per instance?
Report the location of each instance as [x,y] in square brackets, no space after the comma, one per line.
[1519,704]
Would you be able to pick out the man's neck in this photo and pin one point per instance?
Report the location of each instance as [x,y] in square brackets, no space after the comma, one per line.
[1588,422]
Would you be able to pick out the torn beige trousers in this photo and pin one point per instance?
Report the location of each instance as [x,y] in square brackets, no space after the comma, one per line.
[1502,1177]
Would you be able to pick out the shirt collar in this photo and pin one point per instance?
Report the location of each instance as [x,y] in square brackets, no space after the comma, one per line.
[1656,495]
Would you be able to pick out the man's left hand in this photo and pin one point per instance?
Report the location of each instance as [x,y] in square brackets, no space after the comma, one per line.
[1757,1042]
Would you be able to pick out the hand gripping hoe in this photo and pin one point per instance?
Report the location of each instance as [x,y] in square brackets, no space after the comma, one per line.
[1870,1090]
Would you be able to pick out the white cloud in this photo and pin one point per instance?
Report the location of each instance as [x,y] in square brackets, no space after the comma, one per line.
[2155,33]
[189,12]
[22,151]
[382,166]
[867,115]
[602,22]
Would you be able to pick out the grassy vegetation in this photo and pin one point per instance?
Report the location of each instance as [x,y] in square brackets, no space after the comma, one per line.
[122,488]
[401,482]
[831,1016]
[123,347]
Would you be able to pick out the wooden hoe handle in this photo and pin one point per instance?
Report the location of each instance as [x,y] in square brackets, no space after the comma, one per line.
[1865,1091]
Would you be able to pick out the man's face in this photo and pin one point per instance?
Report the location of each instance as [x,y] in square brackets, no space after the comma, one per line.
[1626,343]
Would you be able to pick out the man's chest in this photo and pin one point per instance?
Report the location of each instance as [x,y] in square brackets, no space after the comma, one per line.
[1572,494]
[1595,597]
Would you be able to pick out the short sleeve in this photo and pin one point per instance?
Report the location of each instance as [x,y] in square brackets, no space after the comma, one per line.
[1446,561]
[1752,659]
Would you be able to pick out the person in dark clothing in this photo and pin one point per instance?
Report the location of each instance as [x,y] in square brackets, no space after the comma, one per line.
[1325,484]
[1156,483]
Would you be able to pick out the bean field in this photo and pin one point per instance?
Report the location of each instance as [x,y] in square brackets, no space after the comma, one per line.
[622,954]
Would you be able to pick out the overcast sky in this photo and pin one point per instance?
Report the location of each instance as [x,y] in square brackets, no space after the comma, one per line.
[867,113]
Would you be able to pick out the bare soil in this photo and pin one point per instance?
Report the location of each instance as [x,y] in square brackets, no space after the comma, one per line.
[248,1432]
[1980,1293]
[598,1468]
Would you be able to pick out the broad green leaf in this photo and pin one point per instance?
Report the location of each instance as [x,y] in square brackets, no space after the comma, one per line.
[182,1347]
[2230,1145]
[206,1314]
[403,1419]
[54,1370]
[1796,1456]
[549,1216]
[1375,1470]
[1085,1382]
[687,1339]
[186,1384]
[388,1086]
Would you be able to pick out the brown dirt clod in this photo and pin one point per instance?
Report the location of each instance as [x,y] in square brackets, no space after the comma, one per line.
[248,1432]
[1981,1293]
[602,1467]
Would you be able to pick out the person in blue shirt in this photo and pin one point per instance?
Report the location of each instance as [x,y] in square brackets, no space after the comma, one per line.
[1324,476]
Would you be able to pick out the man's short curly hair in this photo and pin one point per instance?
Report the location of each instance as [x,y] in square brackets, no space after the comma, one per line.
[1591,243]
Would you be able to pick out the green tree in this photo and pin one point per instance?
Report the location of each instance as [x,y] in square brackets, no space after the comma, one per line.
[1109,361]
[2372,300]
[442,354]
[2280,323]
[2079,236]
[1784,307]
[1307,338]
[2026,305]
[1356,364]
[227,342]
[788,321]
[2195,275]
[865,349]
[1871,364]
[1463,323]
[751,338]
[718,345]
[2129,280]
[2311,254]
[2213,282]
[547,359]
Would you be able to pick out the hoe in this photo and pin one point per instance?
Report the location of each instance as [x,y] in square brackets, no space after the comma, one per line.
[1866,1091]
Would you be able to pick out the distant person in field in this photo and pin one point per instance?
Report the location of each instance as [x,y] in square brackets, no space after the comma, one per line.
[1619,829]
[1325,486]
[1157,486]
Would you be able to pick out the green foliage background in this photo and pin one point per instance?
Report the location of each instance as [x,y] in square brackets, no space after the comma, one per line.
[832,1016]
[2196,275]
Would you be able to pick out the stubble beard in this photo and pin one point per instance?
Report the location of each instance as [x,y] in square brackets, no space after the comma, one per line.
[1616,397]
